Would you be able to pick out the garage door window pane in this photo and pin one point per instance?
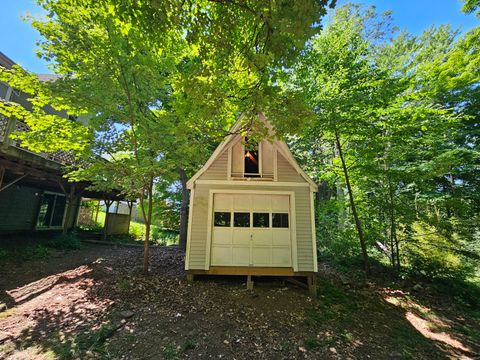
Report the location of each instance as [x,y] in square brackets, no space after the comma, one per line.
[222,219]
[279,220]
[261,220]
[241,219]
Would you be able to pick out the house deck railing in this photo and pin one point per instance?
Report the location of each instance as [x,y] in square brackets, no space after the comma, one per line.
[8,126]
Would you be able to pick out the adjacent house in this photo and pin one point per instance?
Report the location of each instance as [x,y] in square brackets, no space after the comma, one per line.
[252,212]
[34,195]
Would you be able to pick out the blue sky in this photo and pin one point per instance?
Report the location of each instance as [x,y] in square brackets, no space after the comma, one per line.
[19,40]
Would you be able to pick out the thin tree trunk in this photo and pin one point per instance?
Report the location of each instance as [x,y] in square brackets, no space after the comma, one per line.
[147,217]
[358,224]
[183,210]
[108,203]
[393,230]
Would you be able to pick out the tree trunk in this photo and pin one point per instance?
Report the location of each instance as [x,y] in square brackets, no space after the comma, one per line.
[147,217]
[69,198]
[108,203]
[358,224]
[183,210]
[395,251]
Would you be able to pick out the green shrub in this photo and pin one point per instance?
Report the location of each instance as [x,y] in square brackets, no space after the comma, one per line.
[69,241]
[432,255]
[31,252]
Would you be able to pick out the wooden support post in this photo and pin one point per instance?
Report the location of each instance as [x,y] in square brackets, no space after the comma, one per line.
[312,285]
[96,214]
[190,277]
[249,282]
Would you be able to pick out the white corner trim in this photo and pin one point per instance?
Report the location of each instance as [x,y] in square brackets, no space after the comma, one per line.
[209,229]
[189,231]
[314,233]
[293,216]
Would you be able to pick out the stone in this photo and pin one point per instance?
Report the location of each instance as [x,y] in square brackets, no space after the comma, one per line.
[126,314]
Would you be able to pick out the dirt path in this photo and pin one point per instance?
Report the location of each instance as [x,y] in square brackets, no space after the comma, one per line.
[95,303]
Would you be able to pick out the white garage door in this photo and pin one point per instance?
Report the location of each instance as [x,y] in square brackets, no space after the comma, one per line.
[251,230]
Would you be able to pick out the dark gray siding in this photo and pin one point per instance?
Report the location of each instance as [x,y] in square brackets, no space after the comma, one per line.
[18,208]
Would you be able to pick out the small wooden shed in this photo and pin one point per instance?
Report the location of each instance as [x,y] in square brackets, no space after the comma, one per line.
[252,212]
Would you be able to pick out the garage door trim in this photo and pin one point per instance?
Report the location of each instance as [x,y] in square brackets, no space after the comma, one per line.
[293,230]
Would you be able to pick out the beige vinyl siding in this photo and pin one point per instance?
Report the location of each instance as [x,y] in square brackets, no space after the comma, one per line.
[286,172]
[304,229]
[218,169]
[198,238]
[198,232]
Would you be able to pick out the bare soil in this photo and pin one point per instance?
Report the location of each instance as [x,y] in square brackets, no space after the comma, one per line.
[96,303]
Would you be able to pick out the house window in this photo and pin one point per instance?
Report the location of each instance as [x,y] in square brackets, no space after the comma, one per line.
[222,219]
[279,220]
[241,219]
[261,220]
[251,159]
[52,211]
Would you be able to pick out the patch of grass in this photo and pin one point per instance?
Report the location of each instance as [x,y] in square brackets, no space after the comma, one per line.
[311,343]
[38,246]
[346,336]
[286,346]
[7,348]
[333,304]
[172,352]
[189,344]
[169,352]
[7,313]
[124,286]
[86,343]
[408,339]
[158,235]
[65,242]
[3,254]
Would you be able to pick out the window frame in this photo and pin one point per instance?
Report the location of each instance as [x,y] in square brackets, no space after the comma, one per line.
[230,222]
[281,227]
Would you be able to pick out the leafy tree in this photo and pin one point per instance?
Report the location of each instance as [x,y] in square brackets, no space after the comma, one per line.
[470,6]
[395,124]
[343,90]
[161,80]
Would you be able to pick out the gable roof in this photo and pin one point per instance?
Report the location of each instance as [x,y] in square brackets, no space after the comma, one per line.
[282,147]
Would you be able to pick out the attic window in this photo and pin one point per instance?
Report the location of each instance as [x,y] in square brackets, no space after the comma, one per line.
[251,159]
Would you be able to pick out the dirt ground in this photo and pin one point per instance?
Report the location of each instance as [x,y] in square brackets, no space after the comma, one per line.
[96,303]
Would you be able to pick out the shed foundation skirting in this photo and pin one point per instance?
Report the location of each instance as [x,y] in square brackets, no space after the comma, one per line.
[258,271]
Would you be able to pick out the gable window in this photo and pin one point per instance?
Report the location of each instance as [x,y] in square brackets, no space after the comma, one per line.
[251,159]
